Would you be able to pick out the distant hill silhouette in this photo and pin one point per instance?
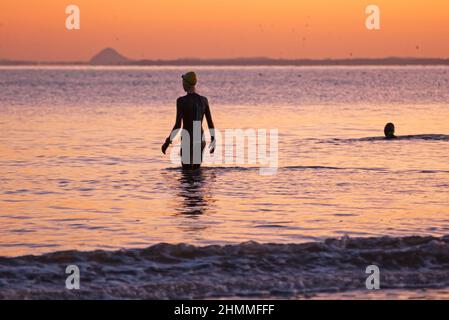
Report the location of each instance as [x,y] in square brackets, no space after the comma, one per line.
[109,56]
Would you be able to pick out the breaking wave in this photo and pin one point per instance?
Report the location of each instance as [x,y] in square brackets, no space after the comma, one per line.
[182,271]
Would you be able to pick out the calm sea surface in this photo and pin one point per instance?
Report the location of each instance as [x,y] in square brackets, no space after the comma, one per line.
[81,167]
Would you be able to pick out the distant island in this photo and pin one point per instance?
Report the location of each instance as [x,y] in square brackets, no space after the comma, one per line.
[110,57]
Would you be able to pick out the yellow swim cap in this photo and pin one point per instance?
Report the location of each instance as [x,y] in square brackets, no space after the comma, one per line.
[190,78]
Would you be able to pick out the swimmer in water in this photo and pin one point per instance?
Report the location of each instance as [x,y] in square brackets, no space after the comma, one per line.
[389,131]
[191,108]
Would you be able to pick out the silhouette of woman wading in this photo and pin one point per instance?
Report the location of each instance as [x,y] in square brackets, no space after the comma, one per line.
[190,111]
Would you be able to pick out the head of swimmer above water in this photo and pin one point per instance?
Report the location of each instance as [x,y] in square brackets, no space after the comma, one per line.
[189,81]
[389,131]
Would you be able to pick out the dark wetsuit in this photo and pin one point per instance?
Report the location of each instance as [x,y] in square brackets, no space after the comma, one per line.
[190,108]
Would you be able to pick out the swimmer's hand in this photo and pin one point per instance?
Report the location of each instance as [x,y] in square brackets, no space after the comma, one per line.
[165,145]
[212,145]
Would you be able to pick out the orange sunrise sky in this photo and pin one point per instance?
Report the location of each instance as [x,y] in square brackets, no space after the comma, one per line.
[170,29]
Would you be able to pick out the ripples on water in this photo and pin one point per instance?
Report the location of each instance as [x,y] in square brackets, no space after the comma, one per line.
[276,86]
[81,167]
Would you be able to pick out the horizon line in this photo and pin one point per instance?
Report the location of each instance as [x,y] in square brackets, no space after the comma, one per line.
[250,61]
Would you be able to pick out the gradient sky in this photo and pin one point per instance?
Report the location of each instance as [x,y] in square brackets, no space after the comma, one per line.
[167,29]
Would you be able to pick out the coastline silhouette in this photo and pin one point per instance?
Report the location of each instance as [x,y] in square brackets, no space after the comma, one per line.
[111,57]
